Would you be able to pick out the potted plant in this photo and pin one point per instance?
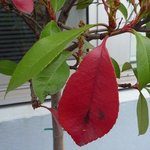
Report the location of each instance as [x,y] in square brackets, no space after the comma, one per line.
[84,101]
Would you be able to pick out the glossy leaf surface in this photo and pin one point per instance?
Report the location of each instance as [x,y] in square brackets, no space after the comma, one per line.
[89,105]
[116,67]
[7,67]
[143,59]
[57,4]
[42,53]
[50,29]
[142,114]
[25,6]
[52,78]
[123,10]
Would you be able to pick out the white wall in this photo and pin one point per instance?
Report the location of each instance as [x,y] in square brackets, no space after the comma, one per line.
[28,133]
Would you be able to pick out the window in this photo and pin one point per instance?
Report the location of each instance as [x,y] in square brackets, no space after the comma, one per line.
[15,39]
[15,36]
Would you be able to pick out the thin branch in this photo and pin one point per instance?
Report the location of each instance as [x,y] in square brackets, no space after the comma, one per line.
[61,25]
[33,20]
[90,37]
[34,101]
[98,30]
[125,85]
[105,6]
[142,22]
[129,86]
[32,27]
[143,29]
[65,11]
[51,10]
[74,67]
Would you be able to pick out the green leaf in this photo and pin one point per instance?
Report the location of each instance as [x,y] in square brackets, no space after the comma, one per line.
[54,4]
[88,45]
[81,4]
[50,29]
[143,59]
[52,78]
[142,114]
[60,4]
[46,82]
[42,53]
[135,72]
[116,67]
[127,66]
[123,10]
[57,4]
[148,90]
[7,67]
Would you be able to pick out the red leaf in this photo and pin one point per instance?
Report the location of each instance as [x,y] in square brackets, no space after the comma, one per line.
[25,6]
[89,106]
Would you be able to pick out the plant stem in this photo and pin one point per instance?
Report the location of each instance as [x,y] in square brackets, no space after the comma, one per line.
[65,11]
[57,130]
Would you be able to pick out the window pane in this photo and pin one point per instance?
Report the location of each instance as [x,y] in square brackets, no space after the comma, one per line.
[15,36]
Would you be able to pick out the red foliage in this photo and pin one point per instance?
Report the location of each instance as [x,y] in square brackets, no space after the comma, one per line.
[89,106]
[25,6]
